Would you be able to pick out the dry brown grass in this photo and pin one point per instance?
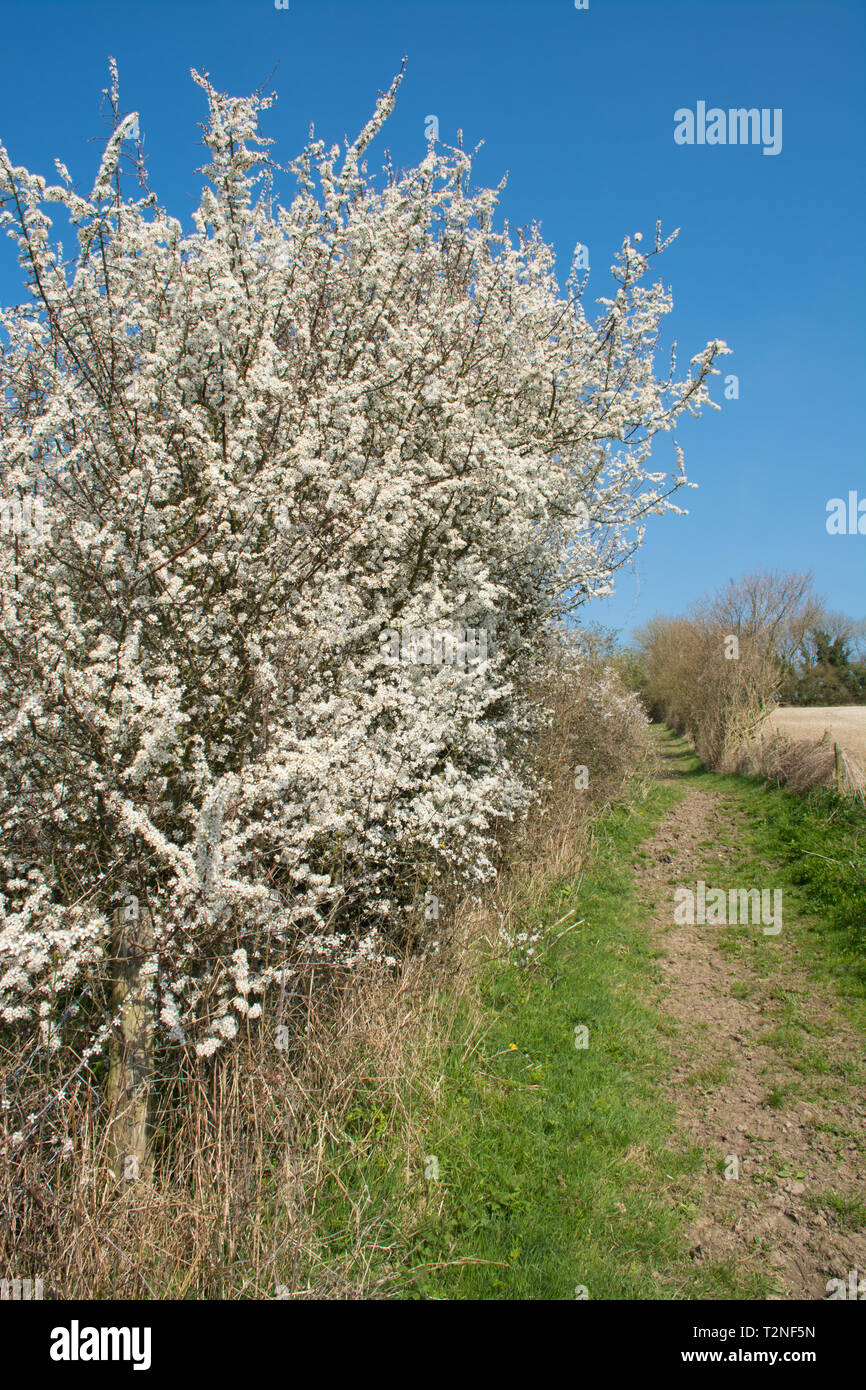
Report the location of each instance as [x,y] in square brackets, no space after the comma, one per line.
[846,725]
[797,748]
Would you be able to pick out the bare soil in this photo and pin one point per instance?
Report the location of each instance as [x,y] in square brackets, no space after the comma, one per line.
[729,1073]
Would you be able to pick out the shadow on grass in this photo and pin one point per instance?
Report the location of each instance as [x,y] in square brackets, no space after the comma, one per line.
[676,758]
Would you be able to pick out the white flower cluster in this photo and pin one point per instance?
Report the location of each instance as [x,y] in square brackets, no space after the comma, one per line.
[521,945]
[260,445]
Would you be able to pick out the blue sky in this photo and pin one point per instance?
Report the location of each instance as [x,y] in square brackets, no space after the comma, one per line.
[578,106]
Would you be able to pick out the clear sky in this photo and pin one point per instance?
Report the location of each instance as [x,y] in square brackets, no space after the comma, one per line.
[578,106]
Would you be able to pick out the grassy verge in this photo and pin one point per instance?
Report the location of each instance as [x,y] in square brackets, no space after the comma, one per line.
[820,841]
[812,976]
[813,846]
[545,1169]
[519,1165]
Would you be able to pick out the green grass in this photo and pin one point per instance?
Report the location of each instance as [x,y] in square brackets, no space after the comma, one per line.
[565,1183]
[554,1167]
[552,1158]
[820,843]
[813,846]
[776,1098]
[550,1169]
[850,1212]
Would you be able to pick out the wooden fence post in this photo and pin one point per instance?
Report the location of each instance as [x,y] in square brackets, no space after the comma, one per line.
[130,1071]
[840,769]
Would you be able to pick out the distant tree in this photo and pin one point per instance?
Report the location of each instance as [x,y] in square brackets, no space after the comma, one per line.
[715,672]
[825,669]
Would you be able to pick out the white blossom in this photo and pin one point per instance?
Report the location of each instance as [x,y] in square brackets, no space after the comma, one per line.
[262,443]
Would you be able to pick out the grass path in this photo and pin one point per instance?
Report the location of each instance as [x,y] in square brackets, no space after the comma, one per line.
[578,1133]
[556,1179]
[768,1064]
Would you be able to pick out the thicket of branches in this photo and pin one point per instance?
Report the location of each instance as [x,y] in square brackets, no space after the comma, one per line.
[262,446]
[269,451]
[715,672]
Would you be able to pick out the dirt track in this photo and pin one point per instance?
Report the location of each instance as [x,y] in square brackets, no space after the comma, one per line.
[799,1137]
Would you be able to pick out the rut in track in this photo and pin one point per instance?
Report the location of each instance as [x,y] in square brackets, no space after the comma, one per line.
[801,1165]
